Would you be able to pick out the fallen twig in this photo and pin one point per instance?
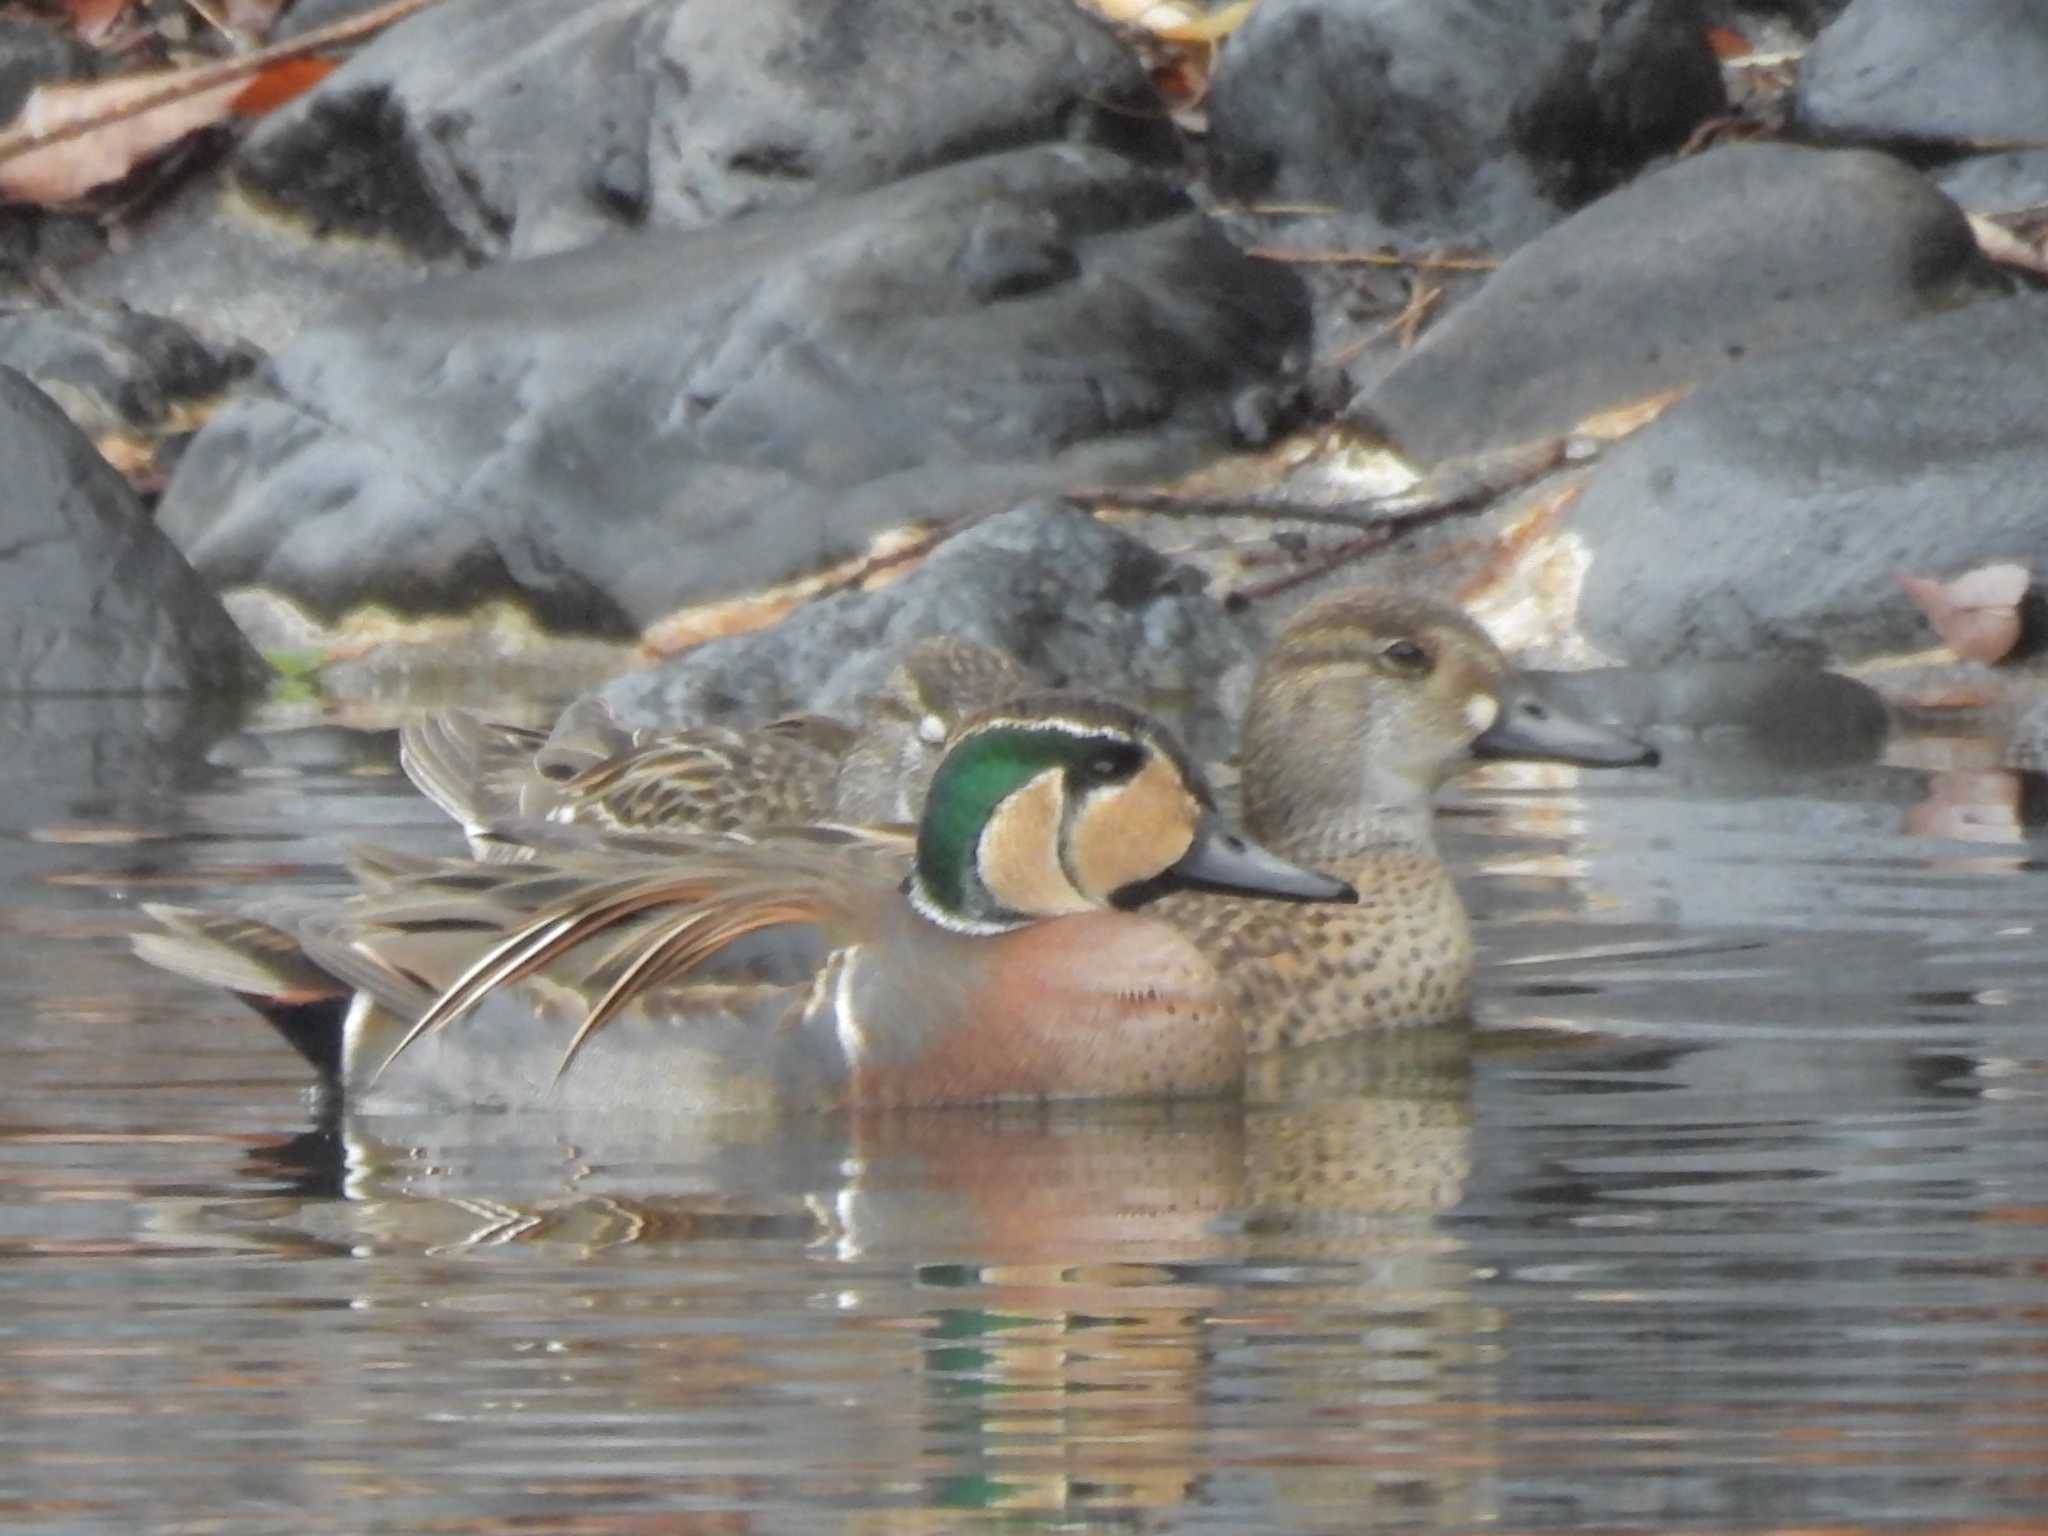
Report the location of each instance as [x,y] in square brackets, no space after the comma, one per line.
[1466,487]
[1459,486]
[1278,210]
[1300,256]
[1320,563]
[206,13]
[1407,320]
[904,554]
[181,84]
[1343,514]
[1451,487]
[1415,314]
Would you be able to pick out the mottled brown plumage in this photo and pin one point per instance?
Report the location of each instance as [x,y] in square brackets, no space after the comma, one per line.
[1401,957]
[940,683]
[591,771]
[1365,705]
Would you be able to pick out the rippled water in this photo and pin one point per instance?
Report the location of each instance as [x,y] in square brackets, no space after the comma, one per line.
[1732,1213]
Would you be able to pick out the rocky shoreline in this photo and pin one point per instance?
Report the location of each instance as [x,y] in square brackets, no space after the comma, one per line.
[723,350]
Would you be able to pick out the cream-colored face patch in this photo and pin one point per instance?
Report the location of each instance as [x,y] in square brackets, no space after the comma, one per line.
[931,730]
[1018,857]
[1481,710]
[1134,831]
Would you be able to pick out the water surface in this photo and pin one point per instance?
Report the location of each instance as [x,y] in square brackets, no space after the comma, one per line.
[1729,1214]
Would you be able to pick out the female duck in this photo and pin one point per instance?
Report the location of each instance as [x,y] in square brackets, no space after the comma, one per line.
[593,772]
[1368,702]
[710,974]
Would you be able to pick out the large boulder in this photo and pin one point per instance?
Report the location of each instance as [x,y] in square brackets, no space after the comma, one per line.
[1480,120]
[480,129]
[2007,181]
[127,379]
[1960,72]
[607,437]
[1748,249]
[1771,514]
[93,598]
[1078,603]
[1808,16]
[516,127]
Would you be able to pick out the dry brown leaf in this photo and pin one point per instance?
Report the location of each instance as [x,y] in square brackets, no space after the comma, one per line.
[1176,40]
[94,20]
[1977,614]
[22,139]
[284,80]
[1619,421]
[253,18]
[1145,15]
[1728,44]
[61,172]
[1978,807]
[1991,586]
[1195,26]
[2007,248]
[890,553]
[1181,80]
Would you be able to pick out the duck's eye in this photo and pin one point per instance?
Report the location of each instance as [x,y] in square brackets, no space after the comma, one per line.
[1112,763]
[1406,657]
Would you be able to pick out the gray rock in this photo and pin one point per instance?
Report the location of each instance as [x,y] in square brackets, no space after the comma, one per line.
[1455,119]
[1771,514]
[93,599]
[1747,249]
[495,127]
[2000,183]
[1904,70]
[32,54]
[1748,17]
[2027,746]
[1078,603]
[1770,716]
[612,435]
[227,270]
[117,371]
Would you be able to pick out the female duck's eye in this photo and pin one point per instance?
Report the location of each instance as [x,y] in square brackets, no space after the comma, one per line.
[1112,764]
[1405,656]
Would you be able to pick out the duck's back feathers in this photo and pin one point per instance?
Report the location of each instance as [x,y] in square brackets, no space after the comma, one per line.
[238,954]
[474,769]
[592,771]
[265,966]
